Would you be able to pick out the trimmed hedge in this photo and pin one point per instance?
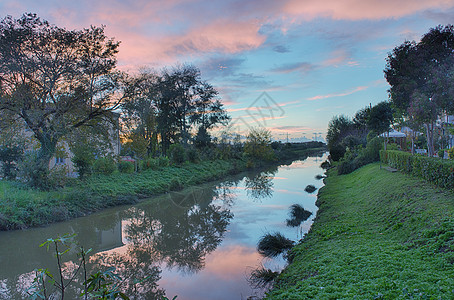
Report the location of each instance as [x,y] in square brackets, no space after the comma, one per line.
[432,169]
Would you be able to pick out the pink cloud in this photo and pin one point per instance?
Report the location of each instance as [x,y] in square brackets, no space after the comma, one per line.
[319,97]
[360,9]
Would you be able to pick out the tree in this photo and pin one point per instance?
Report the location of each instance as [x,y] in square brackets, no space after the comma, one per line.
[420,75]
[140,114]
[172,105]
[258,145]
[338,128]
[55,80]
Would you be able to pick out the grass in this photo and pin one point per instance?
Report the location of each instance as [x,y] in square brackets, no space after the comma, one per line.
[377,235]
[22,207]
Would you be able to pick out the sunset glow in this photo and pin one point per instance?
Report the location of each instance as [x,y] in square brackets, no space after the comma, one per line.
[320,58]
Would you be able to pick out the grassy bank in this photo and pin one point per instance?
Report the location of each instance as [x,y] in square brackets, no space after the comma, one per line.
[377,235]
[21,207]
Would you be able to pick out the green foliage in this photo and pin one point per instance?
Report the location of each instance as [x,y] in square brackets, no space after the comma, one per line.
[380,117]
[435,170]
[258,145]
[104,165]
[339,127]
[9,157]
[81,95]
[193,155]
[22,207]
[451,153]
[357,158]
[126,167]
[395,228]
[32,173]
[177,154]
[155,163]
[98,285]
[83,159]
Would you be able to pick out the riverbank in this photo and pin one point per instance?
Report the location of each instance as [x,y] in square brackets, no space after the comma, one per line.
[22,207]
[377,235]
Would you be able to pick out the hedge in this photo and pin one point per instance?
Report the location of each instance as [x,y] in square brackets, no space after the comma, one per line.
[432,169]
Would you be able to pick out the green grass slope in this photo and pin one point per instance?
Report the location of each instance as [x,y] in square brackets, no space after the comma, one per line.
[22,207]
[377,235]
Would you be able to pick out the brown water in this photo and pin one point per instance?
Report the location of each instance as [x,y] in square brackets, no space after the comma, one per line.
[199,243]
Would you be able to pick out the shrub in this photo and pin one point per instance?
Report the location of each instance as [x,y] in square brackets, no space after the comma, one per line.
[9,156]
[104,165]
[435,170]
[83,160]
[58,176]
[177,154]
[193,155]
[126,167]
[258,145]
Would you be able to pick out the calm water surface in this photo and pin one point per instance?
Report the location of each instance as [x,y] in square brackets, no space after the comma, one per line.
[199,243]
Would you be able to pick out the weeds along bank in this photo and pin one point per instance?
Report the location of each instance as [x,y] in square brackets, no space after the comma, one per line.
[22,207]
[377,235]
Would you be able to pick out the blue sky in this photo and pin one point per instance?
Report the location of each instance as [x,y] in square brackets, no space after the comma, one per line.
[315,59]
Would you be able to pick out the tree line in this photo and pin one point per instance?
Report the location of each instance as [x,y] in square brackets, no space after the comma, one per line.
[420,75]
[64,85]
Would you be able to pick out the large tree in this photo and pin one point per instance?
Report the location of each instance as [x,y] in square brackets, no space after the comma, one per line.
[55,80]
[172,104]
[420,75]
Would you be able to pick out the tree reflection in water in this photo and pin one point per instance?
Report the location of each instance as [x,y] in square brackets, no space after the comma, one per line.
[178,231]
[261,185]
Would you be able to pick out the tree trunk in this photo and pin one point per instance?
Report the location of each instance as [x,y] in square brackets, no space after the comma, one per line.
[430,143]
[40,176]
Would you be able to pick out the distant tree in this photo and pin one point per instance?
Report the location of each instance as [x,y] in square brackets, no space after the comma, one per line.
[55,80]
[258,145]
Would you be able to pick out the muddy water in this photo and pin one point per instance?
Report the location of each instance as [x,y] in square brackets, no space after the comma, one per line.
[199,243]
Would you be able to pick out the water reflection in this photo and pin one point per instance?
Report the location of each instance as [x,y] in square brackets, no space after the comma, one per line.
[260,186]
[172,236]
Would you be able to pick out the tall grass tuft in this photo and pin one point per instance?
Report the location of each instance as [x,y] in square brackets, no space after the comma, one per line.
[310,189]
[262,278]
[271,245]
[297,215]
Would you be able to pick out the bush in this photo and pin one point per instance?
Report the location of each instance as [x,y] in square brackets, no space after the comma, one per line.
[9,156]
[58,176]
[104,165]
[354,160]
[435,170]
[177,154]
[193,155]
[126,167]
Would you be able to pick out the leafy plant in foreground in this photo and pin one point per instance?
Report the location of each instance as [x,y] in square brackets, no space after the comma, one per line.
[99,285]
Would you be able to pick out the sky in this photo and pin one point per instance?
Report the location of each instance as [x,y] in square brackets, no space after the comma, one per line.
[288,65]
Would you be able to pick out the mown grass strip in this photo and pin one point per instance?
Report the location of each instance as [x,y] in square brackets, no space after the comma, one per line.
[377,235]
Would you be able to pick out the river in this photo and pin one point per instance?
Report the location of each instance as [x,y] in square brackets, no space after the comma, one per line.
[198,243]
